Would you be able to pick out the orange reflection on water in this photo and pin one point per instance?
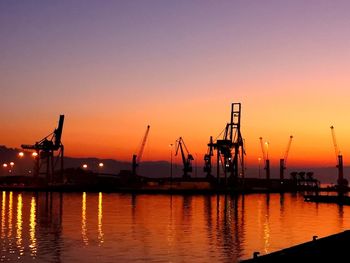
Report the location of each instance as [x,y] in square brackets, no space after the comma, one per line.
[32,228]
[83,220]
[3,213]
[100,231]
[19,225]
[9,235]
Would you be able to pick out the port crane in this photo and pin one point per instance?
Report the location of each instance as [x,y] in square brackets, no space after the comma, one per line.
[283,161]
[230,149]
[45,149]
[265,157]
[207,158]
[180,144]
[136,159]
[341,181]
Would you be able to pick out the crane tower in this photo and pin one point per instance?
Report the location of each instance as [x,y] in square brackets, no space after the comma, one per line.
[46,162]
[180,145]
[341,181]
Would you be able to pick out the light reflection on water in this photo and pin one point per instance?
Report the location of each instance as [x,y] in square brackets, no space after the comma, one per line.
[19,226]
[53,227]
[83,220]
[32,225]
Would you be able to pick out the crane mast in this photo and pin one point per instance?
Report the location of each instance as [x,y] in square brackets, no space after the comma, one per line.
[136,159]
[283,162]
[342,183]
[45,162]
[186,161]
[207,158]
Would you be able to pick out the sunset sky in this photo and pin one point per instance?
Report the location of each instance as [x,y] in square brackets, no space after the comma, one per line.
[113,67]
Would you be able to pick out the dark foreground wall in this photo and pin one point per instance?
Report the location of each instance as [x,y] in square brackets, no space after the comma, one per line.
[334,248]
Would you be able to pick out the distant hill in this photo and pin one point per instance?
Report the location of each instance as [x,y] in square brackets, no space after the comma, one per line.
[25,164]
[150,169]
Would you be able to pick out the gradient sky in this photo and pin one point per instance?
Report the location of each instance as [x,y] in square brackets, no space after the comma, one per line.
[113,67]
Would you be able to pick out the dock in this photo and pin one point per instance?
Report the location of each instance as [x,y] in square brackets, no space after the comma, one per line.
[333,199]
[332,248]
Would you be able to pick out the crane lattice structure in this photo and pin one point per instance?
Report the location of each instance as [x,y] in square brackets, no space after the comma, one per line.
[283,162]
[136,159]
[187,161]
[46,161]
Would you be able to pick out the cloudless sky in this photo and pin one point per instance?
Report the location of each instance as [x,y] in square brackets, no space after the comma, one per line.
[113,67]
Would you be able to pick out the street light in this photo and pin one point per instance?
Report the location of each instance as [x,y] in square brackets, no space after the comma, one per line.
[100,166]
[20,154]
[34,154]
[4,165]
[267,150]
[85,166]
[171,161]
[259,159]
[12,164]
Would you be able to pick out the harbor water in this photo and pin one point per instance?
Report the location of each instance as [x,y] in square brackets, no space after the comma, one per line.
[112,227]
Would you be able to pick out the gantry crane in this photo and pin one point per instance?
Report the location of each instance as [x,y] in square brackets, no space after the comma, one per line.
[186,161]
[45,149]
[207,158]
[341,181]
[265,157]
[232,141]
[283,162]
[136,159]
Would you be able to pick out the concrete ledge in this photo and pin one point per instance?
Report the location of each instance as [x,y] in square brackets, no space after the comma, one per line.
[334,248]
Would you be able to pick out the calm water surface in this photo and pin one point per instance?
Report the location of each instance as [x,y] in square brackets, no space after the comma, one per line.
[90,227]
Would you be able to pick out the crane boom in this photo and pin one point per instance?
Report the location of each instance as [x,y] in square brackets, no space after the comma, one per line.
[139,156]
[288,148]
[186,162]
[179,146]
[336,149]
[262,148]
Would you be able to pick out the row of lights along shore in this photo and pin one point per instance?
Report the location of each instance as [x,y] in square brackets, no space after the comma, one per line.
[11,164]
[34,155]
[85,166]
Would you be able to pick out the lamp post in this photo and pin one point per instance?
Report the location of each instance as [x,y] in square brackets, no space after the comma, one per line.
[4,165]
[100,166]
[259,159]
[12,164]
[267,150]
[20,164]
[171,162]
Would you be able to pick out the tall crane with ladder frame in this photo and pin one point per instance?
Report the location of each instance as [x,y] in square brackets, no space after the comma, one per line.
[232,142]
